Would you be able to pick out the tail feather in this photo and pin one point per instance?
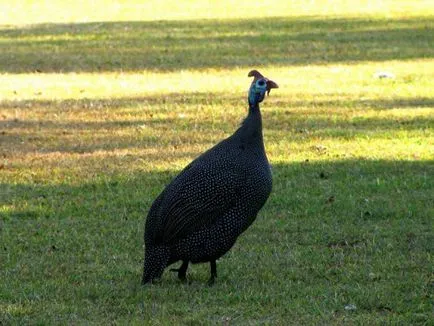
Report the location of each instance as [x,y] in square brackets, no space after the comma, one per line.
[156,260]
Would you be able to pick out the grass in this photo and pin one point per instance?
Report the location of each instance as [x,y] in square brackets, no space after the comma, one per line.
[98,112]
[24,12]
[171,45]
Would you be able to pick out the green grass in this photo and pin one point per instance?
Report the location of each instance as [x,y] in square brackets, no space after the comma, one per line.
[198,44]
[99,113]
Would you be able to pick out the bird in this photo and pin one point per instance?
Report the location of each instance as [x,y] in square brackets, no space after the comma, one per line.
[199,215]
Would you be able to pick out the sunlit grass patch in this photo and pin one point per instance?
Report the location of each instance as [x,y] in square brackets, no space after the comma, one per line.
[23,12]
[318,112]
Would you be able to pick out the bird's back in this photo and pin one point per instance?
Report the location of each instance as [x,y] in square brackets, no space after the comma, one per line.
[213,183]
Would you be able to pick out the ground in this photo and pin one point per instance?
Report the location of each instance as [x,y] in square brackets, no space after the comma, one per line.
[99,109]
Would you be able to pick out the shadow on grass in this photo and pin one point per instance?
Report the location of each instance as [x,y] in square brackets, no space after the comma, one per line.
[175,45]
[297,187]
[363,191]
[65,245]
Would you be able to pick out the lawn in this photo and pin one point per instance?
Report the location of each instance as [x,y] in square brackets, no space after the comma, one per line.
[100,109]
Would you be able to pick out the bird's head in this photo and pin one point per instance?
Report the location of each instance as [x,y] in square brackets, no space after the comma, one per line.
[259,87]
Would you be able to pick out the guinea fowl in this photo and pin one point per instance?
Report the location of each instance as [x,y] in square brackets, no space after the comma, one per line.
[200,214]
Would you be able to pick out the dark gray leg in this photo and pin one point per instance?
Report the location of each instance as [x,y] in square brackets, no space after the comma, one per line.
[182,270]
[213,265]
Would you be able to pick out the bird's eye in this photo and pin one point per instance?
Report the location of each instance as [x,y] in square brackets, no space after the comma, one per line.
[261,82]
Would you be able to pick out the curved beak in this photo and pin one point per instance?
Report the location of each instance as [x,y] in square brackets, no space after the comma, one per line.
[271,84]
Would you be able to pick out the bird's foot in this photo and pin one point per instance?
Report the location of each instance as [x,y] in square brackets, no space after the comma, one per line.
[182,275]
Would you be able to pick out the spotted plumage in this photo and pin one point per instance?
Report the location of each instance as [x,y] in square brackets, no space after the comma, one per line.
[200,214]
